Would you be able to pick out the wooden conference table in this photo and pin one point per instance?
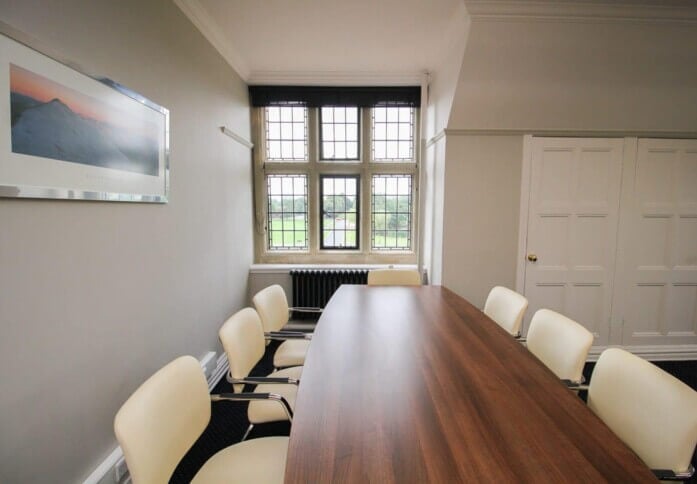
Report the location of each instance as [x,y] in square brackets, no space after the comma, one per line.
[414,384]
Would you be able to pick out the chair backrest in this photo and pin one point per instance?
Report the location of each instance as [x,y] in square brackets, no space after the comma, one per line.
[653,412]
[242,337]
[162,419]
[394,277]
[506,308]
[272,306]
[560,343]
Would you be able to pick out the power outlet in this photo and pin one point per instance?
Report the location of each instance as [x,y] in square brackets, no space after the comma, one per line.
[121,472]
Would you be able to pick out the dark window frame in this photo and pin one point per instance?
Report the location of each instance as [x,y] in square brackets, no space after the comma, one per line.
[322,177]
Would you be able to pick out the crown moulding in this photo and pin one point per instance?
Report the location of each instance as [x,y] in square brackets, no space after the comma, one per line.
[620,11]
[210,30]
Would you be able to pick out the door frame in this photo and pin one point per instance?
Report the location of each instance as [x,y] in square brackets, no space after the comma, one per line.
[525,184]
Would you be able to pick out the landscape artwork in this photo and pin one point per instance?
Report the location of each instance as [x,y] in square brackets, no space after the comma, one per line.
[54,121]
[65,134]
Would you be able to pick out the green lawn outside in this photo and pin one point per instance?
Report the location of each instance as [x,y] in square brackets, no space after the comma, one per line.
[295,238]
[295,235]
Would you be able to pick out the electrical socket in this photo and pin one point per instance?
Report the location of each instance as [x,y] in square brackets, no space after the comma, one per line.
[120,471]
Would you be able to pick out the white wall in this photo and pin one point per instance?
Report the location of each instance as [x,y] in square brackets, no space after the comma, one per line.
[443,82]
[433,189]
[480,229]
[94,297]
[527,76]
[566,75]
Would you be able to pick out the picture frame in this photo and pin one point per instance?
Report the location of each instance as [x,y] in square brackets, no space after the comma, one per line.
[69,135]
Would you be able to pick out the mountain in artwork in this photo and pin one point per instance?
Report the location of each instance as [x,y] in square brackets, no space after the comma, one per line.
[52,130]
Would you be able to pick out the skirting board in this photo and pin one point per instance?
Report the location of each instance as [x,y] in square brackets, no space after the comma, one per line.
[652,352]
[105,472]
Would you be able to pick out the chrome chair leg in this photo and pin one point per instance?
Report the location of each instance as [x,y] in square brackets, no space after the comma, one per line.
[246,434]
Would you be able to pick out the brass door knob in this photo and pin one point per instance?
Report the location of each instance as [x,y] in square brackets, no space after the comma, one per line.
[532,257]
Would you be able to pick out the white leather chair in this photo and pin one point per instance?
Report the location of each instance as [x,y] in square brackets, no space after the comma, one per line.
[507,308]
[560,343]
[163,418]
[242,337]
[394,277]
[272,306]
[654,413]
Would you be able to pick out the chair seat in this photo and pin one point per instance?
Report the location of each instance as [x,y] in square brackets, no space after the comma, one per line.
[262,411]
[258,460]
[291,353]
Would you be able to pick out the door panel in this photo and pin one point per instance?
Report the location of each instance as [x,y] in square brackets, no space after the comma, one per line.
[660,241]
[572,229]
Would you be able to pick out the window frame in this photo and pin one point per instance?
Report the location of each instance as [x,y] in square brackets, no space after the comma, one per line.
[397,212]
[313,168]
[320,201]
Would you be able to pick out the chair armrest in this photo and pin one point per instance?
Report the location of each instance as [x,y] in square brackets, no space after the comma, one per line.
[669,475]
[256,380]
[285,335]
[247,397]
[575,385]
[306,310]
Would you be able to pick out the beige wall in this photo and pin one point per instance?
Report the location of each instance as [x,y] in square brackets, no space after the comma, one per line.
[480,228]
[94,297]
[433,190]
[531,76]
[443,80]
[578,76]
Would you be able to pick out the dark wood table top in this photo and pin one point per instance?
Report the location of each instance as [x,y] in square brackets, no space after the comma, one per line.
[414,384]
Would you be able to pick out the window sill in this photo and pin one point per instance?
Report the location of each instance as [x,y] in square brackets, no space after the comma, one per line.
[283,268]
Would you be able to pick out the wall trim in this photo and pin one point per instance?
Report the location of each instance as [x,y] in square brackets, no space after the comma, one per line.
[105,467]
[571,133]
[198,15]
[240,139]
[578,11]
[339,78]
[221,369]
[651,352]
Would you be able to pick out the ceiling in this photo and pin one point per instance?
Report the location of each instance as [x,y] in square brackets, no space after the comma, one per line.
[340,42]
[306,41]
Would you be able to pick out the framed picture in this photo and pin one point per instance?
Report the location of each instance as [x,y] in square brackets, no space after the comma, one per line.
[64,134]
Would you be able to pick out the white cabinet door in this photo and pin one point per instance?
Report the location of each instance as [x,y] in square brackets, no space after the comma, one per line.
[572,229]
[658,297]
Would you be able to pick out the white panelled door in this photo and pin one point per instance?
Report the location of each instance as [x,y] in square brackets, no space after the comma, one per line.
[658,297]
[572,229]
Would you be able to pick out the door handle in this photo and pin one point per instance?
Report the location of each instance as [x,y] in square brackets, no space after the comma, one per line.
[532,257]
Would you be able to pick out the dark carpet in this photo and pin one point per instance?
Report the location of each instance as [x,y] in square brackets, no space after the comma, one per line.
[229,419]
[228,424]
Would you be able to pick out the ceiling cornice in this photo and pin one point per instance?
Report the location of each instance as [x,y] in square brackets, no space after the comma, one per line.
[337,78]
[596,11]
[210,30]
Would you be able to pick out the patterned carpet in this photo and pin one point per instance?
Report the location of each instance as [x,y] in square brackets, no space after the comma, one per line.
[229,419]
